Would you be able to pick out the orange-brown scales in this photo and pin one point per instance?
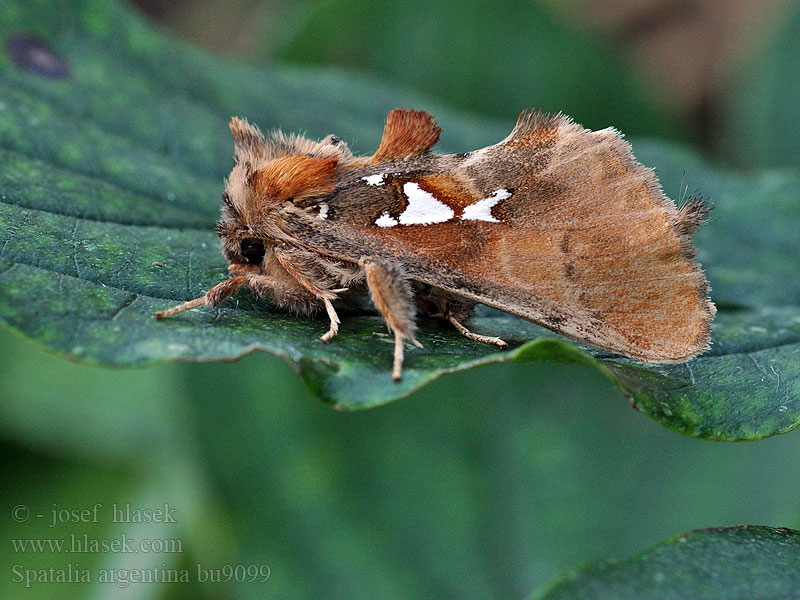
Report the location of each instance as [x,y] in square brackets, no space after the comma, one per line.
[556,224]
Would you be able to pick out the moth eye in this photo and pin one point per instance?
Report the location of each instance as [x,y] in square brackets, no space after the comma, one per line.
[253,250]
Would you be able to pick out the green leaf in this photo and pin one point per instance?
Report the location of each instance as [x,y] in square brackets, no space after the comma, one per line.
[110,174]
[730,563]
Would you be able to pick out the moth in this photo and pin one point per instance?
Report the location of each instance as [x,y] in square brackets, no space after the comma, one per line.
[555,224]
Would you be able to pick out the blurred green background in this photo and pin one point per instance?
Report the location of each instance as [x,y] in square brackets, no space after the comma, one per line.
[485,484]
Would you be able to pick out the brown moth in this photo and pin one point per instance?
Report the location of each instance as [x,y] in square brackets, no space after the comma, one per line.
[556,224]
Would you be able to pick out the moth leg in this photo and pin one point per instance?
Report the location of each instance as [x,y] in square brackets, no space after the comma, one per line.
[455,310]
[392,296]
[211,298]
[486,339]
[334,318]
[303,269]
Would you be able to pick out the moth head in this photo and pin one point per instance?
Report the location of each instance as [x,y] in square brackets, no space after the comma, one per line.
[268,173]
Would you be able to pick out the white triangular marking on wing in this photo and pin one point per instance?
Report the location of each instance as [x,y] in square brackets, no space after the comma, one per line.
[423,208]
[385,220]
[482,209]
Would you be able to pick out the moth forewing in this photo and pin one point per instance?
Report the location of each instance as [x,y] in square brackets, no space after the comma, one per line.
[555,224]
